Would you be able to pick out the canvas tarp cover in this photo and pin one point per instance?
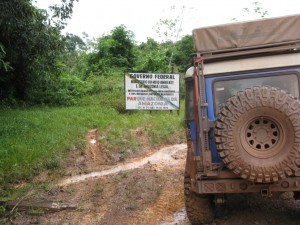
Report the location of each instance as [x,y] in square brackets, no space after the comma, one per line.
[247,34]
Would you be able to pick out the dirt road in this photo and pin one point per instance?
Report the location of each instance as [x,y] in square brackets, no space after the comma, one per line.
[143,190]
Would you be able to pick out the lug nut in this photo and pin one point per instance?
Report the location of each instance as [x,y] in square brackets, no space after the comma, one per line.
[285,184]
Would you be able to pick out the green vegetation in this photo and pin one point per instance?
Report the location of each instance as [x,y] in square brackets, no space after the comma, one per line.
[34,139]
[99,188]
[30,44]
[55,87]
[40,65]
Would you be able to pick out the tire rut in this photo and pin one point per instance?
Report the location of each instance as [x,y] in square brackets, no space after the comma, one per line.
[163,156]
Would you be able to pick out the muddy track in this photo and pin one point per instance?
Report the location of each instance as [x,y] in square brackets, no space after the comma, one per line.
[146,190]
[162,157]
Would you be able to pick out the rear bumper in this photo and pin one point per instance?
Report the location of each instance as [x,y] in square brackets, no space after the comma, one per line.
[223,186]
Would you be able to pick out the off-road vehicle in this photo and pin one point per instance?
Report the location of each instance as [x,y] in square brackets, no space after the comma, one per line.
[242,113]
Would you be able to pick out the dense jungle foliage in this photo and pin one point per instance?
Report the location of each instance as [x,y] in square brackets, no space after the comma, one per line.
[41,65]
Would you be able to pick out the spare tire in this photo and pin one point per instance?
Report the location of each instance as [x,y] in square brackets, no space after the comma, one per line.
[257,134]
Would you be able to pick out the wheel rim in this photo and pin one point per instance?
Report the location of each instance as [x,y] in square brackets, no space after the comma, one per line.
[262,137]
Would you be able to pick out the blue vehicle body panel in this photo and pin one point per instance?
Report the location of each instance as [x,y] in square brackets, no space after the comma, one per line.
[194,137]
[209,98]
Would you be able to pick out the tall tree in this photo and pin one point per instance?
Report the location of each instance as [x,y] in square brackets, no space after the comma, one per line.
[169,30]
[152,57]
[28,46]
[114,50]
[183,50]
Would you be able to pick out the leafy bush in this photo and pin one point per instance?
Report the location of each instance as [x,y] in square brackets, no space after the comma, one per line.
[64,90]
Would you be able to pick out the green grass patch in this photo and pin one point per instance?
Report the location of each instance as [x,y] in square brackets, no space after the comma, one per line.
[37,137]
[33,139]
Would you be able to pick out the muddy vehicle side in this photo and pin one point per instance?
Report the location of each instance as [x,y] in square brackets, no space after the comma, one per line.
[242,113]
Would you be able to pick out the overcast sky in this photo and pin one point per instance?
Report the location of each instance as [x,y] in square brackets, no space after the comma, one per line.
[96,17]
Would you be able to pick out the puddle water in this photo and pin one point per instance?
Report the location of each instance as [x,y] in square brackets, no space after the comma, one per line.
[164,156]
[178,218]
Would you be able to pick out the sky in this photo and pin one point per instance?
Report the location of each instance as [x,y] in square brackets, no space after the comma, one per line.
[98,17]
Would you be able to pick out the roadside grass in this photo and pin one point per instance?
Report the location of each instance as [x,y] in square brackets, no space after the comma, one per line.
[37,138]
[34,138]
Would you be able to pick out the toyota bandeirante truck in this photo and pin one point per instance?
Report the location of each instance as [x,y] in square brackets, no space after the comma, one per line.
[242,113]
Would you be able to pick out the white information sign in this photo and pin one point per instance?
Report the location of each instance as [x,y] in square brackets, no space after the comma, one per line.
[147,91]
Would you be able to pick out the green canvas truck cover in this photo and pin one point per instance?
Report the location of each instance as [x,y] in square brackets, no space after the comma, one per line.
[250,34]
